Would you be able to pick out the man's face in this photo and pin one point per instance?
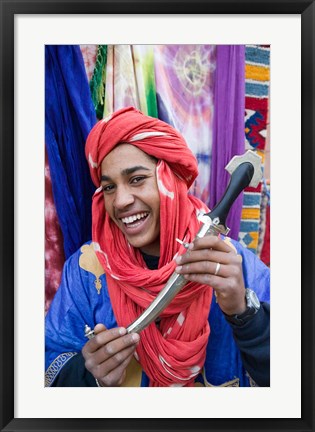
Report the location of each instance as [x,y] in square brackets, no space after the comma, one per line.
[132,200]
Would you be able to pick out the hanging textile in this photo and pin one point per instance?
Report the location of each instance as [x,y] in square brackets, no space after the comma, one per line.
[98,79]
[263,249]
[228,128]
[175,83]
[184,86]
[54,254]
[89,54]
[130,79]
[257,77]
[69,116]
[143,57]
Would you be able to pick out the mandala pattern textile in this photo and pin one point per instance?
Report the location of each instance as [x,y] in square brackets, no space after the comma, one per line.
[184,87]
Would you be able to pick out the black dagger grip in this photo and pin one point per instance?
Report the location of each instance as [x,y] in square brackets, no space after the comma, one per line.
[239,180]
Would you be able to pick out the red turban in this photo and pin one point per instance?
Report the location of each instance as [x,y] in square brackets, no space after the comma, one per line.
[149,134]
[173,353]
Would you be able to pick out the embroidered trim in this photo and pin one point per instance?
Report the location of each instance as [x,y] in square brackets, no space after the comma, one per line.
[89,262]
[56,366]
[233,383]
[252,383]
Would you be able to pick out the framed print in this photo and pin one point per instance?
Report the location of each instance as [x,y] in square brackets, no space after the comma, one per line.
[26,28]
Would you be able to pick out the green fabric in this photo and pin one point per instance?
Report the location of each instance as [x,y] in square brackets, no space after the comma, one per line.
[97,83]
[150,87]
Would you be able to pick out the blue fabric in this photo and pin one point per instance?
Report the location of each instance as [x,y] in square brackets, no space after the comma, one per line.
[69,117]
[223,362]
[77,303]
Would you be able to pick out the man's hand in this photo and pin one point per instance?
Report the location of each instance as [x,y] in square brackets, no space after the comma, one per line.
[108,354]
[200,263]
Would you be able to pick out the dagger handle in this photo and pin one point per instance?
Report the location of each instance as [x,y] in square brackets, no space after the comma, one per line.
[239,180]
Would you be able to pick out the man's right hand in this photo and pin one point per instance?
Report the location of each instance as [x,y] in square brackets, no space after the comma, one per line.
[108,354]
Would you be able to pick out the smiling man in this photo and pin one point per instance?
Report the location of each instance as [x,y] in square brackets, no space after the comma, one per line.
[131,196]
[142,169]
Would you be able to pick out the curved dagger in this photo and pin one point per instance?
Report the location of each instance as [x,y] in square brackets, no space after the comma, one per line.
[245,171]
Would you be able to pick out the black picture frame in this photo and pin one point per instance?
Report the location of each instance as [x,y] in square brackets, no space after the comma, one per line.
[7,235]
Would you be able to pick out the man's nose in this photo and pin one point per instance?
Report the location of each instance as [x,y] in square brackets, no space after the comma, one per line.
[123,197]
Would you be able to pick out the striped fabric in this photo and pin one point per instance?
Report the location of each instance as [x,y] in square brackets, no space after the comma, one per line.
[257,78]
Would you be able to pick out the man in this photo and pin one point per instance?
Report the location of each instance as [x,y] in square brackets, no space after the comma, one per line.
[142,169]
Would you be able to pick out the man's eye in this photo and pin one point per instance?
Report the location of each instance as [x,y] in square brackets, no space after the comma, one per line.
[137,179]
[108,188]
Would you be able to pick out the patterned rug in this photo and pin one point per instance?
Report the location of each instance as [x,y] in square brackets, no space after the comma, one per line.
[257,78]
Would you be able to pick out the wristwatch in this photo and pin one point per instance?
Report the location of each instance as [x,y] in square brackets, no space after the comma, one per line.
[253,306]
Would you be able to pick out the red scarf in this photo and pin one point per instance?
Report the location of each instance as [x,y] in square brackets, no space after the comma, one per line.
[173,353]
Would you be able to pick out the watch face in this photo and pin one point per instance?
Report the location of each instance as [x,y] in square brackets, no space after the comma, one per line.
[252,298]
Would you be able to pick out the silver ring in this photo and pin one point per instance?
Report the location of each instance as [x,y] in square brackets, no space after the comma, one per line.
[217,269]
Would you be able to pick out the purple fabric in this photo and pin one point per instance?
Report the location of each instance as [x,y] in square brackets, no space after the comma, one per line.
[228,127]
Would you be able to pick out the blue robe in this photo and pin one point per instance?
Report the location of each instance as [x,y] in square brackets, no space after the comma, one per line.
[83,299]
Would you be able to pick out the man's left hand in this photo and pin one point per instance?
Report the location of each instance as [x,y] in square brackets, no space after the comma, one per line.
[211,261]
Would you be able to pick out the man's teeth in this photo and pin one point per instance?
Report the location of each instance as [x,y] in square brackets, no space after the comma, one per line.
[133,218]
